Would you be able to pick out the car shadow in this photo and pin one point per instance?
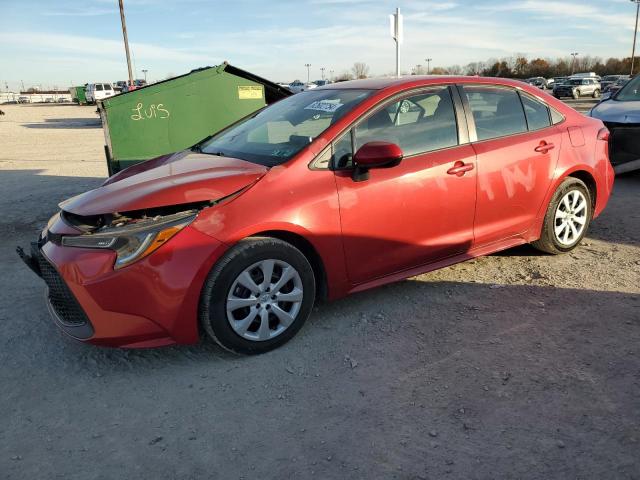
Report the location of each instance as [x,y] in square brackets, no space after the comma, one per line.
[66,123]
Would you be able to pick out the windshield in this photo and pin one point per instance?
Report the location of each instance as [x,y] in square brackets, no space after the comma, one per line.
[276,133]
[630,92]
[575,82]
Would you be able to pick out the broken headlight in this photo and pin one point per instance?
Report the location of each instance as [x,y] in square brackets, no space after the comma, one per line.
[134,240]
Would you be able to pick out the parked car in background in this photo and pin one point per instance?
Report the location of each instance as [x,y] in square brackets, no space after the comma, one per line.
[539,82]
[325,193]
[24,99]
[578,87]
[621,115]
[297,86]
[609,80]
[615,86]
[98,91]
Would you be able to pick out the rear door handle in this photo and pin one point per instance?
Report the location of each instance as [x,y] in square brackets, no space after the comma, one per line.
[544,147]
[460,168]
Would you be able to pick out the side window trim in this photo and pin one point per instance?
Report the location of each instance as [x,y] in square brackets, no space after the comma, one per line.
[521,95]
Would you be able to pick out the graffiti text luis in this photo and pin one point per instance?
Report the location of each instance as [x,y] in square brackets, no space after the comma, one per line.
[153,111]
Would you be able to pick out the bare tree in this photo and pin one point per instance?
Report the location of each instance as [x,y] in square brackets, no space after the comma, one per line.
[344,76]
[360,70]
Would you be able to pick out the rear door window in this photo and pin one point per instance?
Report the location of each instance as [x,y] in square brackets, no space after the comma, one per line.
[536,112]
[497,111]
[99,86]
[107,86]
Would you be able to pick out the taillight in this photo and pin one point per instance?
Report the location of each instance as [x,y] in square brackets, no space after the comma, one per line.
[604,134]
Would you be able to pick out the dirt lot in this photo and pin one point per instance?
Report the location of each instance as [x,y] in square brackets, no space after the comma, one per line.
[513,366]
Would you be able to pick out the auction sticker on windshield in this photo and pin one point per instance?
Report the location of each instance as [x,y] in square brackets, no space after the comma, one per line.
[324,106]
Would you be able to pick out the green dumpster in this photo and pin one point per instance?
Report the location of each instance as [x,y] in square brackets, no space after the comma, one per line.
[177,113]
[78,95]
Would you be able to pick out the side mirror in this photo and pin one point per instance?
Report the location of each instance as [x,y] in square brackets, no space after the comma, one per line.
[375,155]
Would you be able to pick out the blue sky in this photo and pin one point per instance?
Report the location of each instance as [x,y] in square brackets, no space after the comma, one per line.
[63,42]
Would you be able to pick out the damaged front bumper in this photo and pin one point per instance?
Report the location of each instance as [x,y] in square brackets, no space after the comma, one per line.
[63,306]
[150,303]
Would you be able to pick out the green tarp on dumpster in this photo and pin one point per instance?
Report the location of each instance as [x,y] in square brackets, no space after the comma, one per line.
[177,113]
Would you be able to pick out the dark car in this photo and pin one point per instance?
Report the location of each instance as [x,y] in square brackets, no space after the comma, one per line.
[539,82]
[608,80]
[615,87]
[621,114]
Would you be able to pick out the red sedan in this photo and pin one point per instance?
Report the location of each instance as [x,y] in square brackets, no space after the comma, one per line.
[325,193]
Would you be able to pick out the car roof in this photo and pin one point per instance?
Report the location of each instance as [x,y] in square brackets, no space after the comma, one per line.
[411,81]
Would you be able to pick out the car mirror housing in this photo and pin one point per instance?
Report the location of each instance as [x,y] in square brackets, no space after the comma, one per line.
[375,155]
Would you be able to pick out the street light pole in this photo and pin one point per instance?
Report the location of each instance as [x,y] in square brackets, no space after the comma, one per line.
[126,41]
[428,60]
[144,70]
[635,34]
[308,65]
[573,61]
[322,72]
[395,23]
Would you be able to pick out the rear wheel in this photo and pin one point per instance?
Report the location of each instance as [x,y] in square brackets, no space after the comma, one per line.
[257,296]
[567,219]
[576,94]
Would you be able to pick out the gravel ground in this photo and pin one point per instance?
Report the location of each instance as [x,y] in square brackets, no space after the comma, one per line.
[513,366]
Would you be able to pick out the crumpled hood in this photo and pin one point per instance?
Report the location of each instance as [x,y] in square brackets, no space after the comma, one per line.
[184,177]
[618,112]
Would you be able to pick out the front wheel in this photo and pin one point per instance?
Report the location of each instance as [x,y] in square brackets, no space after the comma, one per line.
[596,93]
[576,94]
[257,296]
[567,218]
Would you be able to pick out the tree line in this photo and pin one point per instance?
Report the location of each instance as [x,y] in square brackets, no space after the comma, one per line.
[516,66]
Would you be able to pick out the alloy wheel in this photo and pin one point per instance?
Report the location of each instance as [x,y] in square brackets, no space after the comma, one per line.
[264,300]
[570,218]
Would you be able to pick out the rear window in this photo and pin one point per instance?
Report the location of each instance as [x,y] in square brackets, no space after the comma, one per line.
[497,112]
[536,112]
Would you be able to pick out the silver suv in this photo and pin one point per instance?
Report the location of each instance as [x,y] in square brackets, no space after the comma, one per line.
[578,87]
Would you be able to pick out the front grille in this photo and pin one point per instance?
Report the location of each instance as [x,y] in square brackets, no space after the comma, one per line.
[62,300]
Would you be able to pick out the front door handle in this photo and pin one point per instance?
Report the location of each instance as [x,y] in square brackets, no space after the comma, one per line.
[460,168]
[544,147]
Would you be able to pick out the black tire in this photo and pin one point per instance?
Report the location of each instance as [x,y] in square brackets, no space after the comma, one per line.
[212,311]
[576,94]
[548,242]
[596,93]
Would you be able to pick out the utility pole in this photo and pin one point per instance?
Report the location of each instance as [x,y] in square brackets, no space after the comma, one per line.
[428,60]
[322,72]
[126,42]
[573,61]
[308,65]
[635,34]
[395,23]
[331,75]
[144,70]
